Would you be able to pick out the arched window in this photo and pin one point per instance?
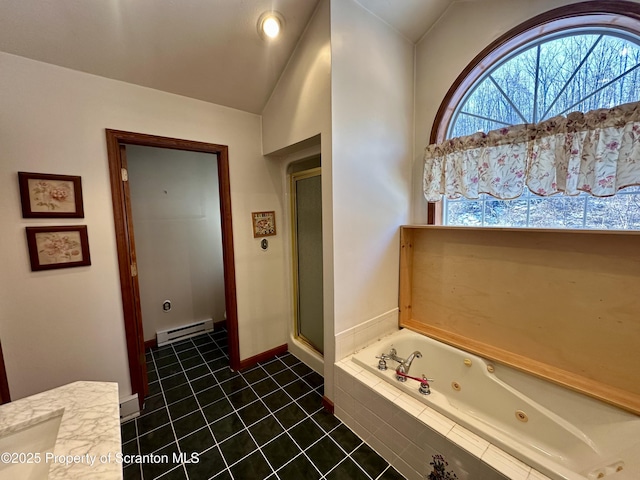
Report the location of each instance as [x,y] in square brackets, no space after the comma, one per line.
[586,59]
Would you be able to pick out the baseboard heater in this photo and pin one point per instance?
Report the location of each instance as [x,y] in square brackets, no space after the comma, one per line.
[165,337]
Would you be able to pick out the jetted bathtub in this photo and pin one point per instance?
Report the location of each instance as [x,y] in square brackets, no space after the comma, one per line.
[561,433]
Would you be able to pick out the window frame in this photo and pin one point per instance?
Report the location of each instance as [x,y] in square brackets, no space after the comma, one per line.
[619,14]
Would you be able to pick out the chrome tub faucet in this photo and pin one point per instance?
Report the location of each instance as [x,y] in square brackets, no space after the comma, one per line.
[403,369]
[403,365]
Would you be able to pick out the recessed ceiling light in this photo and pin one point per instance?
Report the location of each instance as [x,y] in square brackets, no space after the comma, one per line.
[270,25]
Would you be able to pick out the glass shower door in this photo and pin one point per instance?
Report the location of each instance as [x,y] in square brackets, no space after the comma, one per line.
[306,199]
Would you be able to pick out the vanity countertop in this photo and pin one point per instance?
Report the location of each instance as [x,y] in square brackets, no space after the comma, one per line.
[89,429]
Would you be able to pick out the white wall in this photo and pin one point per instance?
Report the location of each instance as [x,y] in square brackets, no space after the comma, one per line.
[175,204]
[298,110]
[460,34]
[366,172]
[299,107]
[65,325]
[372,124]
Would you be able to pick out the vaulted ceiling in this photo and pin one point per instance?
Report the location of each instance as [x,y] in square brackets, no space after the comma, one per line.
[204,49]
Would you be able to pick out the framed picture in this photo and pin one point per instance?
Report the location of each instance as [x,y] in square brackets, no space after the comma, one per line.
[58,247]
[50,196]
[264,224]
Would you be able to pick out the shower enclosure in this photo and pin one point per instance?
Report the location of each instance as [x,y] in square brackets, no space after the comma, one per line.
[306,213]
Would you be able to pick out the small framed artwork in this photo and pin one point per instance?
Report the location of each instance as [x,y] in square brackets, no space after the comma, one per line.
[264,224]
[50,196]
[58,247]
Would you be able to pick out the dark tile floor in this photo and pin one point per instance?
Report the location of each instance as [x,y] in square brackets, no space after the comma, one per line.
[263,423]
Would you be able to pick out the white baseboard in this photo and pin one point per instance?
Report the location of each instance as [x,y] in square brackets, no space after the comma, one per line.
[129,407]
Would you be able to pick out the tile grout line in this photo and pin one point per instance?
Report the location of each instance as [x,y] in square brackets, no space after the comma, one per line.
[135,426]
[208,425]
[259,398]
[347,454]
[271,412]
[168,415]
[182,464]
[166,406]
[310,417]
[307,416]
[285,430]
[235,409]
[216,445]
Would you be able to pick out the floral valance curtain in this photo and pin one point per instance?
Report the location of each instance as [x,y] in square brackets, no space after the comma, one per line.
[596,152]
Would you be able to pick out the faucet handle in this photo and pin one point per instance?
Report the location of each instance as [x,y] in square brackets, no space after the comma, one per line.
[425,388]
[382,364]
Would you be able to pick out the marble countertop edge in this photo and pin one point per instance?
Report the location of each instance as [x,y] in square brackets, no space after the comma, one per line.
[90,426]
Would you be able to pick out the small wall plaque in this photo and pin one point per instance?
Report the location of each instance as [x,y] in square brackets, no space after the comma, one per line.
[264,224]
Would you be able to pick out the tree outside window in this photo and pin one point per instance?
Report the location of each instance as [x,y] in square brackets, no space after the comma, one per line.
[577,70]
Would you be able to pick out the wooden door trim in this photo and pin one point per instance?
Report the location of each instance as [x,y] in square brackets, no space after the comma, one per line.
[135,341]
[5,396]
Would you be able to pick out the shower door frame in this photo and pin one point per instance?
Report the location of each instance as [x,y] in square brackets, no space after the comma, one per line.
[304,174]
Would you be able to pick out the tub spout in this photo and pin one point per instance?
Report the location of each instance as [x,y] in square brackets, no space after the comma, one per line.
[403,368]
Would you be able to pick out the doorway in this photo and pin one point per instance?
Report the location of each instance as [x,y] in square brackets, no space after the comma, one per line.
[117,142]
[176,219]
[306,224]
